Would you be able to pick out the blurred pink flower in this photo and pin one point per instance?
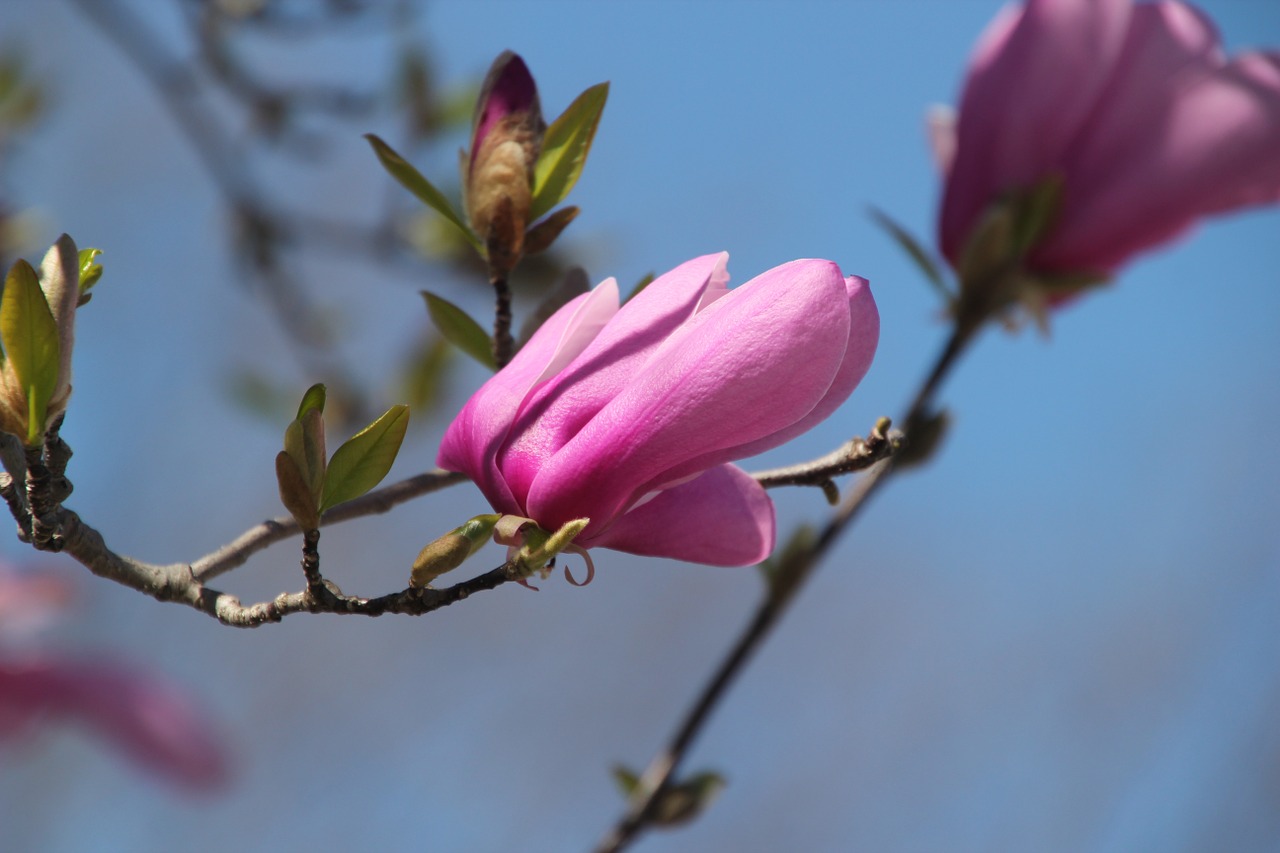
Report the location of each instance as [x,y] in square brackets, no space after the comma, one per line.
[628,416]
[149,720]
[1134,107]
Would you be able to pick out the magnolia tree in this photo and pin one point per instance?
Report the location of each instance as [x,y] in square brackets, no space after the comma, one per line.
[1086,133]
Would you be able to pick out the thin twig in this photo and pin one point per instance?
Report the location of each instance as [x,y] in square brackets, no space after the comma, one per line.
[658,776]
[857,454]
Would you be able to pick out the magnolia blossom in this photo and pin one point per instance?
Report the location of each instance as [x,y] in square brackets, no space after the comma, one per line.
[1133,107]
[628,416]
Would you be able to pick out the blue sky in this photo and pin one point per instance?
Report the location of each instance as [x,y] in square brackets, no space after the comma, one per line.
[1060,636]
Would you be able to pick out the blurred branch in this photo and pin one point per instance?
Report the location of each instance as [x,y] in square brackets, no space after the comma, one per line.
[262,231]
[791,576]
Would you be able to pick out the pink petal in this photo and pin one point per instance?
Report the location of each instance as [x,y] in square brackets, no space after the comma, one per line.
[864,335]
[558,410]
[151,722]
[1180,134]
[508,88]
[1033,80]
[746,367]
[722,518]
[472,441]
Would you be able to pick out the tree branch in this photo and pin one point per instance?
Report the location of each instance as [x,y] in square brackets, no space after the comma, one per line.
[177,583]
[659,775]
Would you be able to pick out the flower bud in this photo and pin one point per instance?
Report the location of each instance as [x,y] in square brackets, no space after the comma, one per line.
[37,328]
[497,175]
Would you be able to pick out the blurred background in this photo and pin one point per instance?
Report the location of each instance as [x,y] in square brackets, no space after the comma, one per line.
[1061,635]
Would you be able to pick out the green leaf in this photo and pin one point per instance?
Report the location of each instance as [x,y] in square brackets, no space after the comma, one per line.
[540,237]
[459,329]
[412,180]
[625,778]
[312,399]
[564,150]
[914,249]
[30,337]
[362,462]
[295,493]
[90,272]
[304,441]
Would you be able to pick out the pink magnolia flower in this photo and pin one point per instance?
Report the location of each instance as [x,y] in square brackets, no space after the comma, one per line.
[628,416]
[1133,106]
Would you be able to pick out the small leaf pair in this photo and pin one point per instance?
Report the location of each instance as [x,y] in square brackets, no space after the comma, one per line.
[310,485]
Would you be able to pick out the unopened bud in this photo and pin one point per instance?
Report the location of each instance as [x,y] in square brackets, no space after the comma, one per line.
[506,138]
[451,550]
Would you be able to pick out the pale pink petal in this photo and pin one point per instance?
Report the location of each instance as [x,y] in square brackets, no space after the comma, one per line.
[864,335]
[940,130]
[1032,84]
[748,366]
[572,397]
[148,720]
[471,442]
[722,518]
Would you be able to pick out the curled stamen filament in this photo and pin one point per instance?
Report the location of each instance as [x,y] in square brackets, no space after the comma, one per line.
[591,567]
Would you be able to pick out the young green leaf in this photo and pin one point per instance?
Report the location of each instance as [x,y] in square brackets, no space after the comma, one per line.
[540,237]
[625,778]
[914,249]
[30,337]
[295,492]
[312,399]
[90,271]
[412,180]
[361,463]
[459,329]
[304,442]
[565,148]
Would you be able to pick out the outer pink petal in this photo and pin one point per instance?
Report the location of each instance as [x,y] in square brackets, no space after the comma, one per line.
[1032,83]
[472,442]
[722,518]
[864,335]
[557,411]
[1180,134]
[149,720]
[748,366]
